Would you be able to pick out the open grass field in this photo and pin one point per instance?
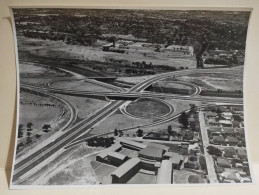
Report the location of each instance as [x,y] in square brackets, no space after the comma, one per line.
[67,168]
[81,85]
[35,81]
[84,106]
[33,70]
[118,121]
[215,81]
[57,48]
[147,108]
[36,113]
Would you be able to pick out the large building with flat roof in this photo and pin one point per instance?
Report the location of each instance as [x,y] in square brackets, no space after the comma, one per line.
[116,158]
[131,144]
[165,172]
[126,171]
[151,153]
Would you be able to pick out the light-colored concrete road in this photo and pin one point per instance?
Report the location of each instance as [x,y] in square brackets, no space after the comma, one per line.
[209,160]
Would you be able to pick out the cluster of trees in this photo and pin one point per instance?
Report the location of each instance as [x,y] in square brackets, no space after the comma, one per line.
[119,133]
[45,128]
[183,119]
[140,72]
[203,164]
[214,151]
[143,65]
[100,141]
[154,26]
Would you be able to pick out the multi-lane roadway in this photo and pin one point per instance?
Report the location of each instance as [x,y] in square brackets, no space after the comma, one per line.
[40,156]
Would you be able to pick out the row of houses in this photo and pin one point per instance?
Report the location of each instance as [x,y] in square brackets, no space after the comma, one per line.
[233,167]
[173,49]
[227,136]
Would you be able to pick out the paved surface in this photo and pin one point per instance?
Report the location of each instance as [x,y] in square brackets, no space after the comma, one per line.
[209,160]
[27,164]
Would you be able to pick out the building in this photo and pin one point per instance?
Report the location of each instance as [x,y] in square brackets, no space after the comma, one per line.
[218,140]
[228,131]
[241,153]
[233,141]
[211,115]
[229,152]
[194,149]
[151,153]
[175,158]
[116,158]
[227,114]
[126,171]
[102,156]
[212,122]
[131,144]
[241,132]
[192,165]
[223,162]
[165,172]
[178,49]
[230,176]
[225,123]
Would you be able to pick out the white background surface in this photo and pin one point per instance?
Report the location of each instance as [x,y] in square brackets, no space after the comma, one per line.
[8,94]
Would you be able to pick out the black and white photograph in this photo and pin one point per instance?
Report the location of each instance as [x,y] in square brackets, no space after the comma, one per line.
[130,96]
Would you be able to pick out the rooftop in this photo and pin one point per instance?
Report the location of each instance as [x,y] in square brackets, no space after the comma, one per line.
[152,153]
[125,167]
[232,139]
[116,155]
[164,175]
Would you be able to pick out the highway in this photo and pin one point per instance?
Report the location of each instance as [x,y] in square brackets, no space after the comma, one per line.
[40,156]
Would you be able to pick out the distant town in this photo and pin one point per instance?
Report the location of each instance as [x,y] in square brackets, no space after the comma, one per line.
[130,97]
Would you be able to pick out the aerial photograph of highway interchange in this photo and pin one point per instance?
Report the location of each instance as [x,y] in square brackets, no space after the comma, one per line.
[114,96]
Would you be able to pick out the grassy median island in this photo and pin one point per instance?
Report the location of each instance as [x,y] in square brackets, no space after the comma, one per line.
[147,108]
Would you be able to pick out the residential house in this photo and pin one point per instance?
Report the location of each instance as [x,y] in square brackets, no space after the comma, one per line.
[233,141]
[218,140]
[223,162]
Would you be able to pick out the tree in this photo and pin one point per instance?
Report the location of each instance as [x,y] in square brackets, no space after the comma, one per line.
[29,125]
[29,140]
[214,151]
[20,130]
[139,132]
[46,127]
[38,136]
[169,129]
[121,133]
[202,162]
[183,119]
[112,40]
[193,108]
[115,132]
